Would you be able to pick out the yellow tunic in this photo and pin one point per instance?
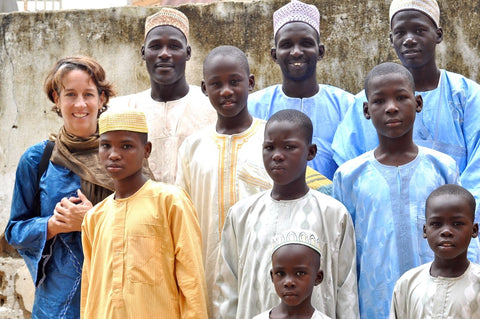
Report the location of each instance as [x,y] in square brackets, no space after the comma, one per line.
[143,257]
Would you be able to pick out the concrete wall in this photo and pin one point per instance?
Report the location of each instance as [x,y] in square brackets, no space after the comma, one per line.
[355,34]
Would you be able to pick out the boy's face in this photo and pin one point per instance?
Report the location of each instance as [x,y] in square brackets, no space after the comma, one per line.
[286,152]
[122,153]
[165,53]
[297,51]
[391,105]
[227,83]
[414,37]
[449,226]
[295,271]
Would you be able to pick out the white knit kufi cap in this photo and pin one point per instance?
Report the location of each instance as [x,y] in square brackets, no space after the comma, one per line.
[299,237]
[169,17]
[428,7]
[296,11]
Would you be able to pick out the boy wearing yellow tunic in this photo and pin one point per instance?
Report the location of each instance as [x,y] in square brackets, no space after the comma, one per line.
[142,244]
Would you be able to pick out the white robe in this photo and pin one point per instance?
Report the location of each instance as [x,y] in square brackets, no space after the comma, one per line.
[244,287]
[418,295]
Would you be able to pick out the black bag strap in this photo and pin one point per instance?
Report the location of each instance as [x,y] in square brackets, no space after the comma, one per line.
[42,167]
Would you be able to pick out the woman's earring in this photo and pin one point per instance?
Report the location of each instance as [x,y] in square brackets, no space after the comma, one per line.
[102,109]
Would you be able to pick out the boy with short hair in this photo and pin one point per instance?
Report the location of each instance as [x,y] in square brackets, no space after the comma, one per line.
[295,272]
[449,121]
[214,163]
[242,281]
[297,51]
[385,189]
[447,287]
[142,244]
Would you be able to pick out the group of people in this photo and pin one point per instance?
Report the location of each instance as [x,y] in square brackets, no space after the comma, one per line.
[300,200]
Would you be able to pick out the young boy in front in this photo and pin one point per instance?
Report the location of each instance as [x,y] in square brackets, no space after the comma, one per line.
[447,287]
[385,189]
[295,272]
[449,121]
[142,244]
[243,284]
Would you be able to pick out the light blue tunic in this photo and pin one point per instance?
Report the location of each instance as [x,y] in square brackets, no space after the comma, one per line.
[387,204]
[449,123]
[326,109]
[55,265]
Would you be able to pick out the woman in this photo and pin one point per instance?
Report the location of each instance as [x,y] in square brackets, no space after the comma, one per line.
[48,237]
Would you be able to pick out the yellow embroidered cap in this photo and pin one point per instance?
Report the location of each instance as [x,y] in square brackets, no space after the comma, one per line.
[299,237]
[428,7]
[123,120]
[168,16]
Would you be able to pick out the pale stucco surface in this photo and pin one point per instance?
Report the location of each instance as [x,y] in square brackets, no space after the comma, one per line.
[355,34]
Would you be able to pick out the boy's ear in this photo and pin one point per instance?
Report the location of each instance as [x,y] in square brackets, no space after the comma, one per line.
[365,110]
[143,52]
[424,231]
[312,151]
[319,278]
[321,52]
[391,38]
[475,230]
[419,101]
[439,33]
[251,82]
[147,149]
[189,53]
[203,86]
[273,54]
[271,274]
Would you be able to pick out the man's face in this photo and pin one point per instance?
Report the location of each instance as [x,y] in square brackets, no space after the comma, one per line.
[414,37]
[165,52]
[297,51]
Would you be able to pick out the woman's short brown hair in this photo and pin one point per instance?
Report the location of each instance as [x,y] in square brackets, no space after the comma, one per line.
[53,82]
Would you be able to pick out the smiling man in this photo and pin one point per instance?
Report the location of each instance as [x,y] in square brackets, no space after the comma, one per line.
[174,109]
[297,51]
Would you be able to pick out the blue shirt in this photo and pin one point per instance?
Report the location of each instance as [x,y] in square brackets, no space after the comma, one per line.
[326,109]
[387,205]
[56,264]
[449,122]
